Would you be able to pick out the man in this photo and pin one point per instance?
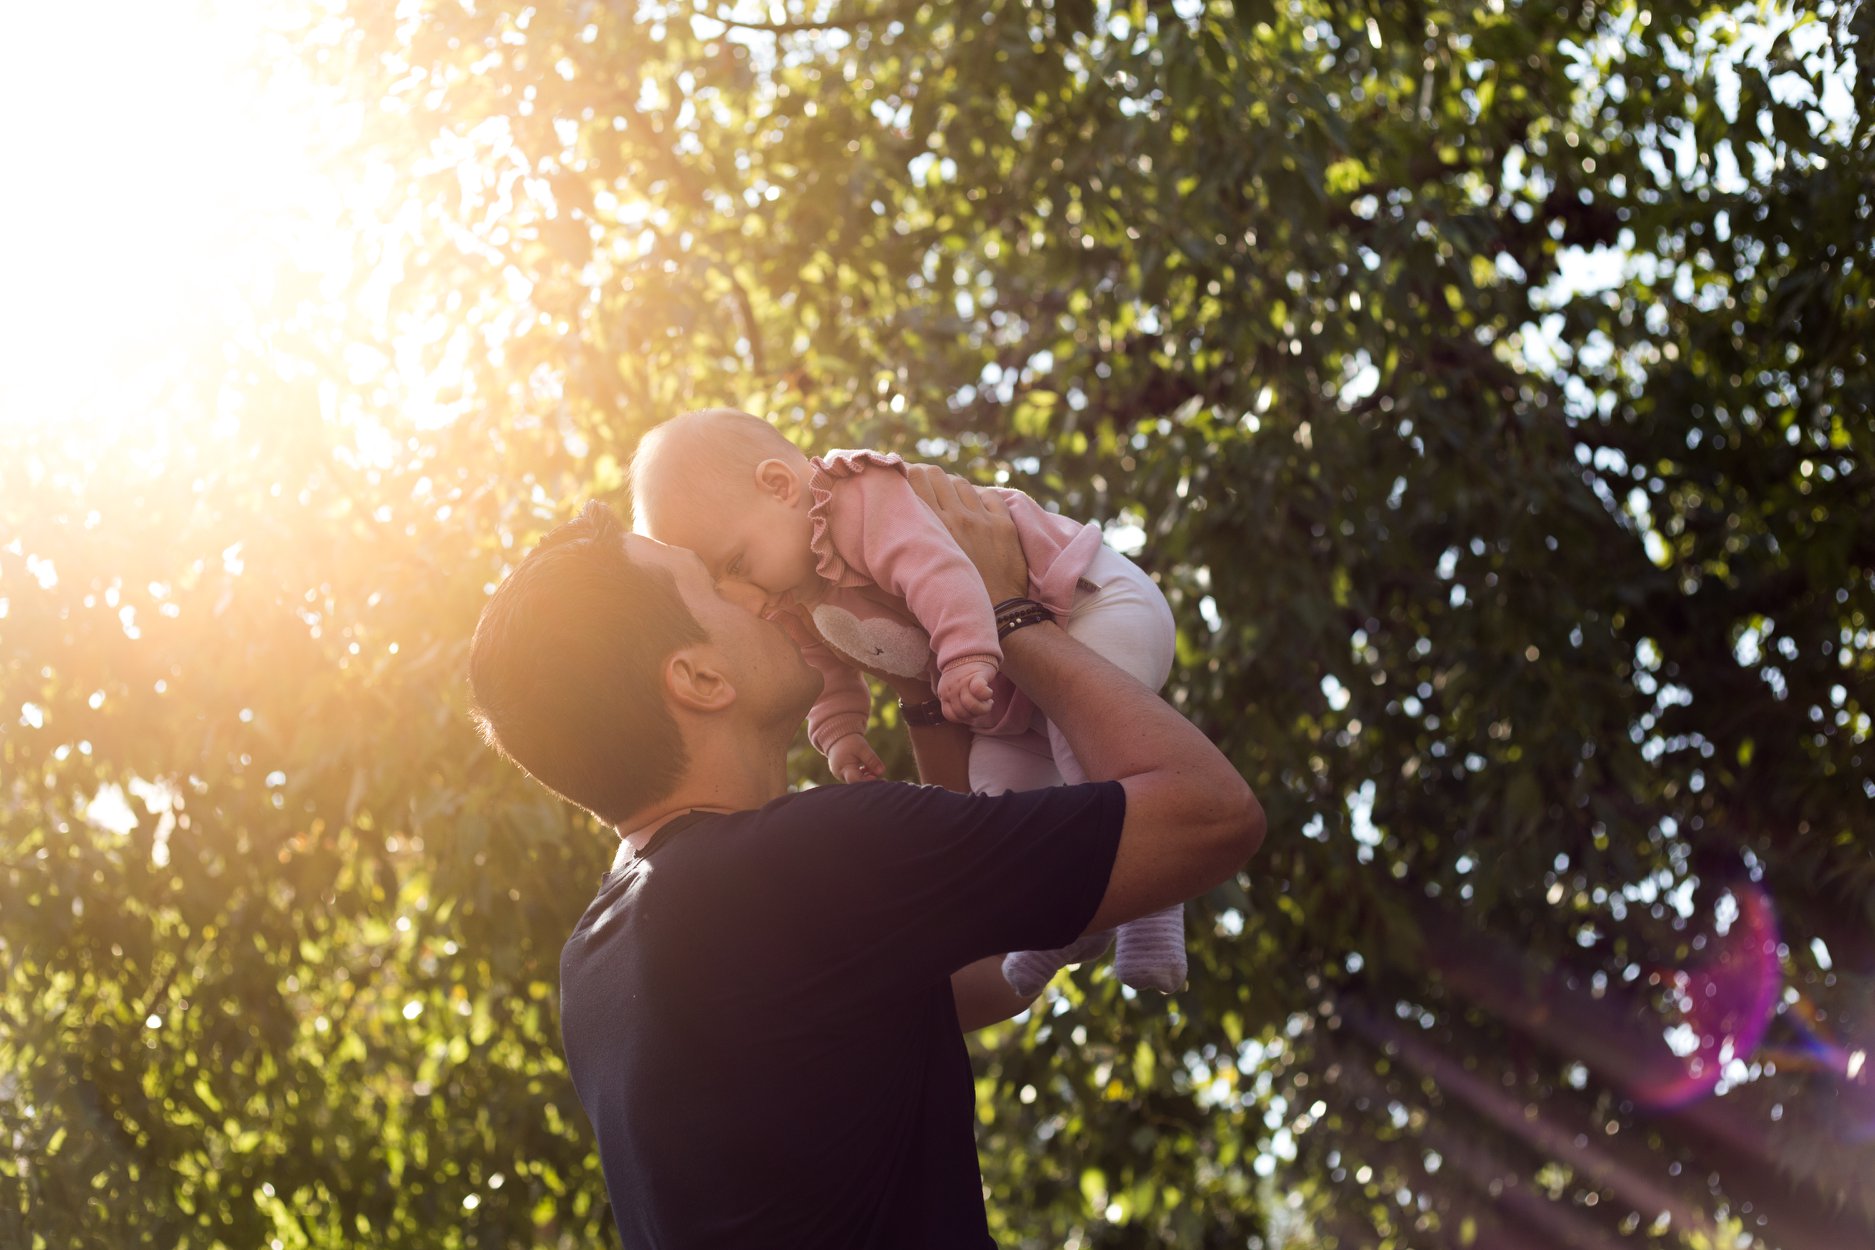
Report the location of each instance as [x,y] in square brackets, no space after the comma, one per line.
[763,1009]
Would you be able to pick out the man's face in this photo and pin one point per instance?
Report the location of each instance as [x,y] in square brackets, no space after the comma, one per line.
[765,666]
[756,547]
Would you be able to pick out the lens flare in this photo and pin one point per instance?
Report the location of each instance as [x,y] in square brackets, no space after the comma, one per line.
[1815,1049]
[1724,1004]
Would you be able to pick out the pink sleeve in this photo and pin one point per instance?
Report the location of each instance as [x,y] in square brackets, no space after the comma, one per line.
[845,702]
[884,532]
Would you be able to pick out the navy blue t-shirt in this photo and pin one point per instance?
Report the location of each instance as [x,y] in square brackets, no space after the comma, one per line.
[758,1019]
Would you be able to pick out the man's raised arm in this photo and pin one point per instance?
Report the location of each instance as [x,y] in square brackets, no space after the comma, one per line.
[1191,819]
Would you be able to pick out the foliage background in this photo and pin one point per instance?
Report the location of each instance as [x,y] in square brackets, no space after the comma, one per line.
[1487,385]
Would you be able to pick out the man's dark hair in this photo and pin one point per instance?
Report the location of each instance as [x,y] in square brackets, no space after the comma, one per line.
[565,673]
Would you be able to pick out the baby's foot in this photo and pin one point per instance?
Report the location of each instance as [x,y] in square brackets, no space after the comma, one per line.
[1028,971]
[1150,953]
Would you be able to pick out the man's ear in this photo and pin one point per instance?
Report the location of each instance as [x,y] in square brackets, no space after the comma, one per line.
[696,682]
[773,477]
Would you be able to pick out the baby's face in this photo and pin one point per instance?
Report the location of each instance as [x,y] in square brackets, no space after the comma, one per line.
[756,545]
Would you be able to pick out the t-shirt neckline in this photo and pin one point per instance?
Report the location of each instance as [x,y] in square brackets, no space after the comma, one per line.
[669,832]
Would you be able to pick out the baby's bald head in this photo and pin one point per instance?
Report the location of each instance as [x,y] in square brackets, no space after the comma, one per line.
[704,458]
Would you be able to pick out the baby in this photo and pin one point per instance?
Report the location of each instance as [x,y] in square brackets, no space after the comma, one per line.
[840,551]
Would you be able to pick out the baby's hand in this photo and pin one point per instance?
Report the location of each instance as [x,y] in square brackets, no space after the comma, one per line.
[852,759]
[965,691]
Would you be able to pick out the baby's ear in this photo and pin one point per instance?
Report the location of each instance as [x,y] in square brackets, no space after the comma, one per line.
[774,477]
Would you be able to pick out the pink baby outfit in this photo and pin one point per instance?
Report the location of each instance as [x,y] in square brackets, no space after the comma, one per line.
[902,598]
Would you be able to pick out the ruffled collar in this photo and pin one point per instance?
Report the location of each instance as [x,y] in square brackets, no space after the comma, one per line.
[829,469]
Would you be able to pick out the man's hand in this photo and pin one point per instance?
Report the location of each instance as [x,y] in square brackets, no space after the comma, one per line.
[852,759]
[979,522]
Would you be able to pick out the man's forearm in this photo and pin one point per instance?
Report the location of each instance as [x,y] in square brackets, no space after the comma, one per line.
[983,997]
[1117,727]
[1191,821]
[942,753]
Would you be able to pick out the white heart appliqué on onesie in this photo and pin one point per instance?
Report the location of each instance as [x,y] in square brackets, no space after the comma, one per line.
[878,642]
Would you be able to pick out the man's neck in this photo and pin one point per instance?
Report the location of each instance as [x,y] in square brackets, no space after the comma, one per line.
[722,776]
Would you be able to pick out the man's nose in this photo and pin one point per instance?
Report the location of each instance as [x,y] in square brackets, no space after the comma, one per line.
[749,598]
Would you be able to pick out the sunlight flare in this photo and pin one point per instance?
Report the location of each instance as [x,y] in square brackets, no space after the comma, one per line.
[168,183]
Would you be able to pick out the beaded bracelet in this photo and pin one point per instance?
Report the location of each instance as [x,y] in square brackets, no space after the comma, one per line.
[1010,608]
[926,715]
[1011,622]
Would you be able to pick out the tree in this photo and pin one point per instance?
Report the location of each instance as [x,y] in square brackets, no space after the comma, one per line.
[1536,607]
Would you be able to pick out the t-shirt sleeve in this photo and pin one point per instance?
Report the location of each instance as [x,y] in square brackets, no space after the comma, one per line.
[893,879]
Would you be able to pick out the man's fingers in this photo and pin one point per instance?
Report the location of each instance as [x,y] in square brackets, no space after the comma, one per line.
[985,501]
[926,482]
[948,493]
[941,492]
